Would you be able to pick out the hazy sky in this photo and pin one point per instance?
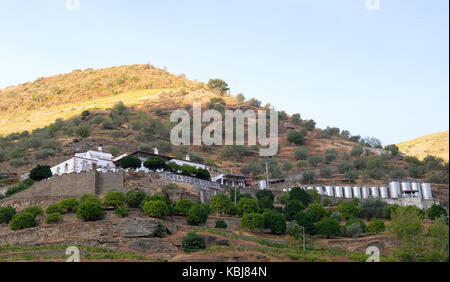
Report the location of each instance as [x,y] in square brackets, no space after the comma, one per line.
[381,73]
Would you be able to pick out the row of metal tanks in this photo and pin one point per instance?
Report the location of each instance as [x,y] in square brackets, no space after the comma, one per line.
[394,190]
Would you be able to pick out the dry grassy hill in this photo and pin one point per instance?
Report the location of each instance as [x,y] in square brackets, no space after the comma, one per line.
[436,144]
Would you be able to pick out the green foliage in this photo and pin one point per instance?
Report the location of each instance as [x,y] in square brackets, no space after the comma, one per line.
[360,163]
[275,221]
[296,119]
[310,124]
[305,219]
[221,224]
[218,84]
[376,226]
[370,208]
[315,160]
[160,231]
[134,198]
[439,238]
[198,214]
[53,218]
[240,98]
[43,154]
[328,227]
[416,170]
[247,205]
[398,173]
[418,211]
[353,230]
[336,215]
[265,199]
[308,177]
[345,166]
[301,153]
[330,155]
[121,211]
[316,212]
[156,208]
[287,166]
[130,162]
[183,206]
[326,172]
[357,151]
[22,221]
[254,102]
[284,197]
[90,210]
[351,175]
[436,211]
[54,208]
[83,131]
[40,172]
[193,242]
[354,220]
[114,199]
[292,208]
[393,148]
[432,163]
[6,214]
[294,230]
[234,152]
[252,168]
[220,204]
[348,209]
[89,198]
[17,162]
[252,221]
[34,210]
[296,137]
[16,188]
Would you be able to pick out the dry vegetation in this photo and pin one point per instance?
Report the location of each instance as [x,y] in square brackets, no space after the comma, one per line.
[436,144]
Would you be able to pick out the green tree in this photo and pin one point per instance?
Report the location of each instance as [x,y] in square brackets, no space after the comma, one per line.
[296,137]
[300,194]
[183,206]
[305,220]
[275,221]
[330,155]
[328,227]
[6,214]
[34,210]
[220,204]
[156,208]
[114,199]
[193,242]
[90,211]
[252,221]
[436,211]
[247,205]
[348,209]
[351,175]
[53,218]
[198,214]
[393,148]
[308,177]
[134,198]
[130,162]
[292,208]
[315,160]
[240,98]
[357,151]
[316,211]
[40,172]
[22,221]
[438,233]
[326,172]
[301,153]
[296,119]
[376,226]
[155,163]
[218,84]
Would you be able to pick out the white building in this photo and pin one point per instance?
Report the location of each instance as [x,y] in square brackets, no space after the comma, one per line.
[89,160]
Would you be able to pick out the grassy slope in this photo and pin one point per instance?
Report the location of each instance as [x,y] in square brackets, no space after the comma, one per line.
[436,144]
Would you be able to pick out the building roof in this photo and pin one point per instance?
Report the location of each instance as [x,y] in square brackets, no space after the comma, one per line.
[148,154]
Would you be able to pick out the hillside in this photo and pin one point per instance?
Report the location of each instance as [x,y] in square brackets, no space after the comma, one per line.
[436,144]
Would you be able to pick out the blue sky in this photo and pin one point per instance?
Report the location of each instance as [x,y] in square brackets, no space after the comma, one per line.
[376,73]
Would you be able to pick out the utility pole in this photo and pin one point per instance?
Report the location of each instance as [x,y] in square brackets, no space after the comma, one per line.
[267,176]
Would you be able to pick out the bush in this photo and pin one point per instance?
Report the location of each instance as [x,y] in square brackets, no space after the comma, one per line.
[130,162]
[390,210]
[247,205]
[345,166]
[34,210]
[69,205]
[221,224]
[360,163]
[376,226]
[17,162]
[330,155]
[296,137]
[252,221]
[183,206]
[89,198]
[348,209]
[156,208]
[416,170]
[353,230]
[326,172]
[301,163]
[6,214]
[353,220]
[296,119]
[310,124]
[90,210]
[287,166]
[193,242]
[275,221]
[221,204]
[328,227]
[357,151]
[44,154]
[54,208]
[292,208]
[114,199]
[316,212]
[218,84]
[22,221]
[83,131]
[198,214]
[351,175]
[336,215]
[134,198]
[40,172]
[435,211]
[160,231]
[308,177]
[301,153]
[156,163]
[121,211]
[371,208]
[304,219]
[397,173]
[315,160]
[53,218]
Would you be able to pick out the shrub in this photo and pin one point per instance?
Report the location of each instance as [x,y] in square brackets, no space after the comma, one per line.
[397,173]
[254,102]
[156,208]
[158,197]
[371,208]
[393,148]
[353,230]
[17,162]
[360,163]
[134,198]
[114,199]
[304,219]
[240,98]
[308,177]
[326,172]
[22,221]
[390,210]
[292,208]
[296,119]
[348,209]
[345,166]
[301,153]
[193,242]
[69,205]
[89,198]
[34,210]
[296,137]
[330,155]
[198,214]
[275,221]
[130,162]
[310,124]
[107,123]
[83,131]
[221,224]
[183,206]
[416,210]
[44,154]
[90,210]
[252,221]
[160,231]
[247,205]
[40,172]
[218,84]
[328,227]
[315,160]
[336,215]
[357,151]
[376,226]
[220,203]
[156,163]
[353,220]
[416,170]
[284,197]
[287,166]
[53,218]
[301,163]
[6,214]
[351,174]
[54,208]
[435,211]
[121,211]
[316,211]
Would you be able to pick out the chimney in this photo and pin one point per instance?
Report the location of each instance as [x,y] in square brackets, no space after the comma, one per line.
[187,157]
[100,148]
[156,151]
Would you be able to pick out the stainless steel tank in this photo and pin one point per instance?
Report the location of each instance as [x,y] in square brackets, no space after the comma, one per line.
[348,192]
[394,189]
[329,191]
[415,186]
[338,192]
[426,191]
[320,190]
[374,193]
[365,192]
[384,192]
[406,186]
[357,192]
